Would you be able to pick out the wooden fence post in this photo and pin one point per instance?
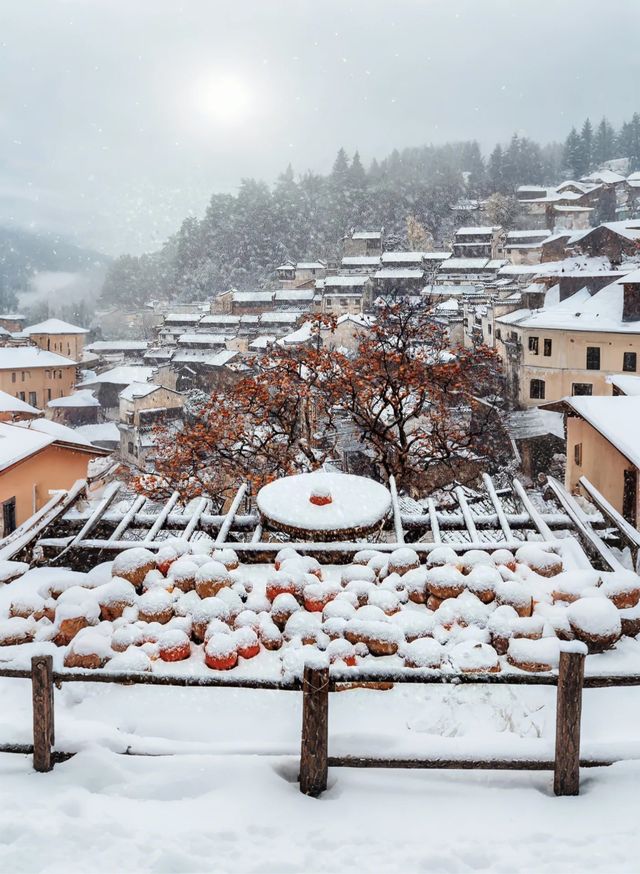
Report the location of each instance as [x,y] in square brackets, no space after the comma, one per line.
[43,727]
[315,731]
[566,774]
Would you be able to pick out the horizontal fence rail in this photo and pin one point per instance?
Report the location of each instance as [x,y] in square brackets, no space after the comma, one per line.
[316,685]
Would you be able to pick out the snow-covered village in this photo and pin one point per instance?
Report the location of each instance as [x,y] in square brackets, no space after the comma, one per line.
[319,453]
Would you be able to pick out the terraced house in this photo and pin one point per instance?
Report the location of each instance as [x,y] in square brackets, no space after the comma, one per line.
[571,348]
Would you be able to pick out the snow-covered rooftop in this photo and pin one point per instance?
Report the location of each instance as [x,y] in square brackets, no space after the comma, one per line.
[616,418]
[366,235]
[55,326]
[627,384]
[345,281]
[252,296]
[15,445]
[295,294]
[106,346]
[9,404]
[20,357]
[398,273]
[138,390]
[581,312]
[485,230]
[202,339]
[104,432]
[362,260]
[59,433]
[535,422]
[81,398]
[464,264]
[123,375]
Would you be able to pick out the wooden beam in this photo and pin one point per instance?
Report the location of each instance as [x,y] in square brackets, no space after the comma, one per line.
[126,520]
[453,764]
[42,697]
[433,522]
[534,515]
[26,533]
[566,778]
[162,517]
[108,495]
[470,525]
[190,530]
[592,543]
[228,519]
[495,500]
[395,506]
[627,531]
[315,731]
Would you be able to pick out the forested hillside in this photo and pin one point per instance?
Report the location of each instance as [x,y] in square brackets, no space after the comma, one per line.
[24,253]
[242,238]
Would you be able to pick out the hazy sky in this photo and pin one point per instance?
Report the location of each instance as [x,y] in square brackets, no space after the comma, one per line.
[119,117]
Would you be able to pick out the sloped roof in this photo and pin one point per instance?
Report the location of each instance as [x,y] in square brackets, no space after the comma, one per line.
[616,418]
[9,404]
[55,326]
[81,398]
[59,433]
[21,357]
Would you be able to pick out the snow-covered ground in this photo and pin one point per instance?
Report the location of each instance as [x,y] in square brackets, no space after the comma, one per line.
[229,800]
[215,787]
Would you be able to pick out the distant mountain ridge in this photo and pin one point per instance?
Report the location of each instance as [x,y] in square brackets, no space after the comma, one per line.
[24,253]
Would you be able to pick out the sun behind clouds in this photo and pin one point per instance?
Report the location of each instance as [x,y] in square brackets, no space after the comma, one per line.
[224,98]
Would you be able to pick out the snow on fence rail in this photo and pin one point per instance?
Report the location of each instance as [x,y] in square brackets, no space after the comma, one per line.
[316,685]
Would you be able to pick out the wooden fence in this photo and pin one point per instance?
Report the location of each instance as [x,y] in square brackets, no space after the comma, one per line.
[316,686]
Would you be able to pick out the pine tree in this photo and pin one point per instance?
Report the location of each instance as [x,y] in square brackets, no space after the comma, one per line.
[586,146]
[604,142]
[629,142]
[572,157]
[495,170]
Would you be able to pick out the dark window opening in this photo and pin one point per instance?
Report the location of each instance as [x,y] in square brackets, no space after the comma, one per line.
[547,348]
[581,388]
[536,389]
[533,345]
[630,362]
[593,358]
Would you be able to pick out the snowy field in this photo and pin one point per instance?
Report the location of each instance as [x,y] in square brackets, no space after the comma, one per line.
[217,806]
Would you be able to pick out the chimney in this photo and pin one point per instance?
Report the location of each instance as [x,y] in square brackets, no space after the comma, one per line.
[631,302]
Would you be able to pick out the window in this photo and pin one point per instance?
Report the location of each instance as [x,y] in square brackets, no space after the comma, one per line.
[536,389]
[630,362]
[498,334]
[489,328]
[23,375]
[533,345]
[47,373]
[21,396]
[581,388]
[48,394]
[547,348]
[577,454]
[33,400]
[593,358]
[130,447]
[13,377]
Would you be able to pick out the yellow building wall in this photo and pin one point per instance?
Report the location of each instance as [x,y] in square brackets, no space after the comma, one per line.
[69,345]
[29,481]
[47,383]
[567,363]
[602,464]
